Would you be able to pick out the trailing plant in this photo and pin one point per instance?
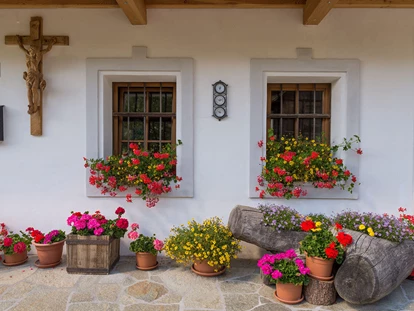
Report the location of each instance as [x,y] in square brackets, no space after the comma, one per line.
[210,240]
[49,238]
[284,268]
[324,243]
[383,226]
[12,243]
[290,162]
[142,243]
[97,224]
[149,173]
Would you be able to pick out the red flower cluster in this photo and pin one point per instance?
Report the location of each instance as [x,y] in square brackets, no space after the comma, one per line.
[344,239]
[307,225]
[150,174]
[37,235]
[331,251]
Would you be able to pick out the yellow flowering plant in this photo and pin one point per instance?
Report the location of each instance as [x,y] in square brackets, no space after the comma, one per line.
[290,162]
[209,241]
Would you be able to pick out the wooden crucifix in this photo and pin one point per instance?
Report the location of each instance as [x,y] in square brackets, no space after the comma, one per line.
[34,62]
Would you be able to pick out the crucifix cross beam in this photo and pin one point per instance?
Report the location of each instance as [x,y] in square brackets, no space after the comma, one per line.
[34,62]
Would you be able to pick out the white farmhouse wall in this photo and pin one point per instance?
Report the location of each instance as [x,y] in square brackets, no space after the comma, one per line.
[42,178]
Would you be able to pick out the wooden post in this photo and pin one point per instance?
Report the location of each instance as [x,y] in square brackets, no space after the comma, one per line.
[34,61]
[321,293]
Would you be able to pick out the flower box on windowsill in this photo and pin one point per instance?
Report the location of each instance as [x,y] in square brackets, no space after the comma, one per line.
[91,254]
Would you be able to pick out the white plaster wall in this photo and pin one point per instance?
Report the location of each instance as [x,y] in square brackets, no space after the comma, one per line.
[42,178]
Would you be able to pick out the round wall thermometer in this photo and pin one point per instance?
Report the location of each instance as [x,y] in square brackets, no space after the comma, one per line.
[220,100]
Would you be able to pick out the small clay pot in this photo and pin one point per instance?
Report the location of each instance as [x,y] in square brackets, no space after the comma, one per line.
[50,255]
[320,268]
[201,267]
[146,261]
[15,259]
[289,293]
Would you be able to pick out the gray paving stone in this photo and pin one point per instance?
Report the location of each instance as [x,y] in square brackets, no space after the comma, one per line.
[145,307]
[18,291]
[108,292]
[271,307]
[239,287]
[4,305]
[94,307]
[241,302]
[49,299]
[83,296]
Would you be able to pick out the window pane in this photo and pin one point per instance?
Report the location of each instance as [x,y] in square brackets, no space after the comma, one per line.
[275,125]
[136,128]
[288,100]
[275,102]
[318,129]
[306,127]
[154,102]
[166,129]
[154,128]
[305,102]
[288,127]
[318,96]
[167,102]
[124,148]
[130,101]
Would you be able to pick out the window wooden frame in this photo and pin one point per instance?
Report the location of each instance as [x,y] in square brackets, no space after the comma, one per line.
[326,105]
[118,113]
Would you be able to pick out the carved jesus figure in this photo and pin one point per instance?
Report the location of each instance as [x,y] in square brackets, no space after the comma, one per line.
[33,76]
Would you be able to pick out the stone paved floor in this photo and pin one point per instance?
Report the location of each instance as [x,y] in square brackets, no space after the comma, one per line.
[169,288]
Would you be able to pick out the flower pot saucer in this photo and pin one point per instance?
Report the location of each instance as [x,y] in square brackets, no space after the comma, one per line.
[289,302]
[14,263]
[147,268]
[220,272]
[322,278]
[51,265]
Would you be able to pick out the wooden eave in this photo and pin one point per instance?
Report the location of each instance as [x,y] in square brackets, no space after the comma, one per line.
[135,10]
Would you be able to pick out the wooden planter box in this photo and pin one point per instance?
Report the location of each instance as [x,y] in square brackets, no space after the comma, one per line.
[91,254]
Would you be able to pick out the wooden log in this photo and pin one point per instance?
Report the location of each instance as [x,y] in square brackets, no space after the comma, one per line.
[373,268]
[91,254]
[321,293]
[246,224]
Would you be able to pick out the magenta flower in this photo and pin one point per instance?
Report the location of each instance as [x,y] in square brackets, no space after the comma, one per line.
[72,219]
[93,224]
[304,270]
[98,231]
[267,269]
[134,226]
[80,224]
[290,253]
[276,274]
[86,217]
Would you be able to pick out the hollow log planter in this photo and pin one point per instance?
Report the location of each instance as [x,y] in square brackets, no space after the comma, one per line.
[321,293]
[246,224]
[91,254]
[373,268]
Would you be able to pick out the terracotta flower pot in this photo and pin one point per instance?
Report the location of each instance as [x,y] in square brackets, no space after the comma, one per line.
[15,259]
[201,267]
[146,261]
[50,255]
[320,268]
[289,293]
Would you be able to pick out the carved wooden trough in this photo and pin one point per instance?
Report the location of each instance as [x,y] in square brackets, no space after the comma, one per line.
[372,268]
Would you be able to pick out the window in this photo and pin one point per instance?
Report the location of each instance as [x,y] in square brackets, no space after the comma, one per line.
[139,116]
[299,109]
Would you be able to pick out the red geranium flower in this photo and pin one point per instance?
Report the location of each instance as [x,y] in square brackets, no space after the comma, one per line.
[338,226]
[331,252]
[344,239]
[7,242]
[307,225]
[19,247]
[120,211]
[122,223]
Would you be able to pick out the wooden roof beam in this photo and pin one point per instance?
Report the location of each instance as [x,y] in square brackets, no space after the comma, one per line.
[316,10]
[135,10]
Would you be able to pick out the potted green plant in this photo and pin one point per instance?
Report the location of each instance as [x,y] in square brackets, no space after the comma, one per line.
[94,243]
[146,248]
[49,247]
[14,246]
[291,162]
[322,247]
[209,246]
[288,272]
[151,174]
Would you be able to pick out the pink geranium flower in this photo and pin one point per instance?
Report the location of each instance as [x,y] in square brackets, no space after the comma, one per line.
[158,245]
[133,235]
